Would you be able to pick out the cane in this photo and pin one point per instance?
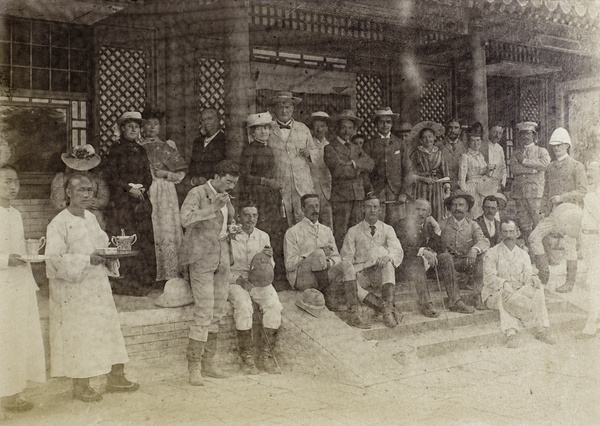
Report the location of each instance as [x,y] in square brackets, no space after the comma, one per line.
[262,327]
[437,277]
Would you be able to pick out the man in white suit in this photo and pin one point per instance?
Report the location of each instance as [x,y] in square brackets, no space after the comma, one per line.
[290,142]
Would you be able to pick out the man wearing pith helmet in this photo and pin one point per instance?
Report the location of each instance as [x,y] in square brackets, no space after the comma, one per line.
[565,182]
[392,174]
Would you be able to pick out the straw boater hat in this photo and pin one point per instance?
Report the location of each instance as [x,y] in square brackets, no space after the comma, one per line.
[437,129]
[560,136]
[502,202]
[527,125]
[177,293]
[130,115]
[260,119]
[81,158]
[285,96]
[319,115]
[348,115]
[312,301]
[385,112]
[404,127]
[468,198]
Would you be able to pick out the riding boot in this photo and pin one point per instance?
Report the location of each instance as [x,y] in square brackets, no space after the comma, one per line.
[387,294]
[374,302]
[83,392]
[571,276]
[116,381]
[354,319]
[267,360]
[246,345]
[194,353]
[541,261]
[209,365]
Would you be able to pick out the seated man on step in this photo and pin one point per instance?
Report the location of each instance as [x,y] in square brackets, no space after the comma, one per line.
[312,259]
[511,288]
[375,252]
[246,246]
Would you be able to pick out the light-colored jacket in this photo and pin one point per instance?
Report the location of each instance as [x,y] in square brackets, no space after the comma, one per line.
[301,240]
[529,175]
[359,243]
[320,173]
[288,161]
[203,225]
[458,240]
[500,265]
[565,178]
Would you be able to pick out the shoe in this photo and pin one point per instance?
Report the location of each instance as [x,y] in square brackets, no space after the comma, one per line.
[513,341]
[268,364]
[389,318]
[566,288]
[16,404]
[354,320]
[460,307]
[121,385]
[546,337]
[86,394]
[196,377]
[249,367]
[479,305]
[585,336]
[211,369]
[428,310]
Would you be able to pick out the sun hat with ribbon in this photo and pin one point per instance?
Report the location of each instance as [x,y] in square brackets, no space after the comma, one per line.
[81,158]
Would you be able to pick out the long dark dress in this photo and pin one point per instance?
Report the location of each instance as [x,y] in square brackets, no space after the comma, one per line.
[127,163]
[431,165]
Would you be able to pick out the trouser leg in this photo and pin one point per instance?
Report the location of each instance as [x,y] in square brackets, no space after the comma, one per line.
[270,306]
[448,274]
[242,307]
[341,218]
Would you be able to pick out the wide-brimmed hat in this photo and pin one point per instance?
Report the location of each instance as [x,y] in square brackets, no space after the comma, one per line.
[468,198]
[285,96]
[437,129]
[527,125]
[502,202]
[130,115]
[260,119]
[177,293]
[312,301]
[318,115]
[317,260]
[348,115]
[385,112]
[404,127]
[560,136]
[261,270]
[81,158]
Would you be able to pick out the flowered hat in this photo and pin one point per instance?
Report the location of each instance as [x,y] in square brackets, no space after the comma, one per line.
[81,158]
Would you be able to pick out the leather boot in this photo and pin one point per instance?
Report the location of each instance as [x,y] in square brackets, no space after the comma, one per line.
[354,320]
[387,294]
[569,284]
[83,392]
[374,302]
[246,345]
[194,353]
[267,361]
[541,261]
[116,381]
[209,365]
[16,404]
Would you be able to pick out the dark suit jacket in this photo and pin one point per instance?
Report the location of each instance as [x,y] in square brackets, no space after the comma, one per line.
[496,238]
[204,160]
[346,180]
[202,227]
[392,165]
[413,236]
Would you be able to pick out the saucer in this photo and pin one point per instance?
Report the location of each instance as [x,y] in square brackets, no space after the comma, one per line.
[34,258]
[117,254]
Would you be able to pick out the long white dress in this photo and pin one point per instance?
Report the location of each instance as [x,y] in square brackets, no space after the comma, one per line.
[21,345]
[85,333]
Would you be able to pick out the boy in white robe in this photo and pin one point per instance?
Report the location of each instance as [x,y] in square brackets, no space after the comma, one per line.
[85,333]
[22,351]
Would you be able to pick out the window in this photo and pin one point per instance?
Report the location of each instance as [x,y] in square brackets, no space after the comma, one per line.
[41,55]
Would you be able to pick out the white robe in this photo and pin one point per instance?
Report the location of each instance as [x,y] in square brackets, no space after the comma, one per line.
[21,346]
[85,333]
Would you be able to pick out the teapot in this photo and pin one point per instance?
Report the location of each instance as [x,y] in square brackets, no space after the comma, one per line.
[124,242]
[33,245]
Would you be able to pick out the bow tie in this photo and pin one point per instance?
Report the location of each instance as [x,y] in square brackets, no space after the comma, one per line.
[284,126]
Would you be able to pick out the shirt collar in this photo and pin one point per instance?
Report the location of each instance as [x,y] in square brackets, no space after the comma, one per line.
[210,138]
[491,222]
[562,157]
[212,187]
[529,146]
[309,222]
[385,136]
[342,141]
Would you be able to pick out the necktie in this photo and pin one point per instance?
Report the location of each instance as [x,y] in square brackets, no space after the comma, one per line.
[372,229]
[284,126]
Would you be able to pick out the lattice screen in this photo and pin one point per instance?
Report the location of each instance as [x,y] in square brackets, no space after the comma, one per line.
[369,96]
[434,102]
[209,89]
[122,76]
[530,106]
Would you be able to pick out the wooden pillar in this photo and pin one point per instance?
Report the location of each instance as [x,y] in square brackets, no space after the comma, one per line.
[478,77]
[239,87]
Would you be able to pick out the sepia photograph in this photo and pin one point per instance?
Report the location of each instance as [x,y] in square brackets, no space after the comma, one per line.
[299,212]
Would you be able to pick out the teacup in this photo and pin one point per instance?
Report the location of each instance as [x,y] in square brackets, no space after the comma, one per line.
[33,245]
[124,242]
[110,250]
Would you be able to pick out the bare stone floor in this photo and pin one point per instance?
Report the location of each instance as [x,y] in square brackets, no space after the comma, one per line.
[534,384]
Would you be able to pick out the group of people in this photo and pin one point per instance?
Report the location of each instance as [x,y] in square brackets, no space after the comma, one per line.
[350,216]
